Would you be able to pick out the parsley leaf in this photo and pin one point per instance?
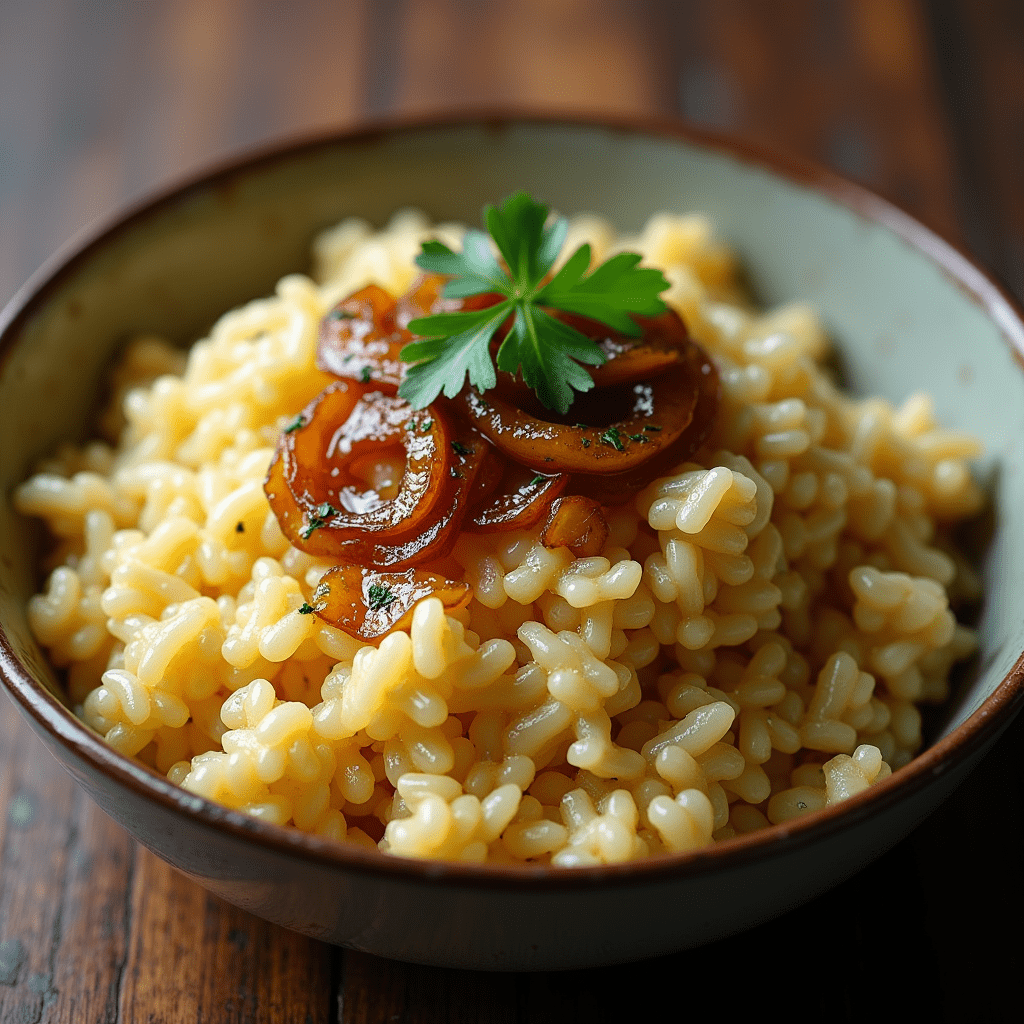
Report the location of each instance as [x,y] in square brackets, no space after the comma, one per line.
[548,353]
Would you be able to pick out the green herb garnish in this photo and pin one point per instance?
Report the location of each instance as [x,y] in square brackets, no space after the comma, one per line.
[538,479]
[306,608]
[648,427]
[614,438]
[642,438]
[379,597]
[296,424]
[319,518]
[544,350]
[461,449]
[364,375]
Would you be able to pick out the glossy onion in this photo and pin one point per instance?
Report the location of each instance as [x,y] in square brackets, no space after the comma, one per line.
[576,523]
[617,488]
[317,482]
[359,340]
[367,604]
[518,504]
[657,414]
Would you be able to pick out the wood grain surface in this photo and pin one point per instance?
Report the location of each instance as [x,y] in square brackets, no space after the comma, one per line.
[102,101]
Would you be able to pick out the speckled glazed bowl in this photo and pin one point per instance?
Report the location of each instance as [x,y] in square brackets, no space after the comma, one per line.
[907,311]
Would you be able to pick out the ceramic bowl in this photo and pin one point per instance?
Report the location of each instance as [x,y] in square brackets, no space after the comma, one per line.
[907,311]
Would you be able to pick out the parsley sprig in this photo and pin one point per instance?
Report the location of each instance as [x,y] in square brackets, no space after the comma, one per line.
[546,351]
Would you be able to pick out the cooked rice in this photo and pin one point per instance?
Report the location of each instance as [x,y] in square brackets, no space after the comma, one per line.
[751,645]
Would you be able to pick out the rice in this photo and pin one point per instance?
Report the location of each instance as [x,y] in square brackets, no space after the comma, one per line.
[752,644]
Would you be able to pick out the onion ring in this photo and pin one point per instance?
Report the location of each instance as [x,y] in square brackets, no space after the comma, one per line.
[617,488]
[660,412]
[321,504]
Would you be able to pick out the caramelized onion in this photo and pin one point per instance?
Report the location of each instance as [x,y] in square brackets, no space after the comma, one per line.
[320,502]
[653,405]
[367,604]
[436,539]
[362,337]
[360,340]
[617,488]
[522,501]
[576,523]
[659,412]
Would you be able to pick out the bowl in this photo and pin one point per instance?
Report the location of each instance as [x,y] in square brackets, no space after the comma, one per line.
[907,311]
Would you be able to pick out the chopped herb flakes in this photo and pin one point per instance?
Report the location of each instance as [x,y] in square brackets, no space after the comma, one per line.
[652,429]
[538,479]
[585,441]
[296,424]
[614,438]
[379,597]
[239,527]
[364,375]
[426,425]
[306,608]
[461,449]
[642,438]
[319,518]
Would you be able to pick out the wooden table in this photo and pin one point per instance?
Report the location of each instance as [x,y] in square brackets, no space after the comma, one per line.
[101,101]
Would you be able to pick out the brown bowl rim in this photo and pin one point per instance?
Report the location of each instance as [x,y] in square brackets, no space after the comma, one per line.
[971,736]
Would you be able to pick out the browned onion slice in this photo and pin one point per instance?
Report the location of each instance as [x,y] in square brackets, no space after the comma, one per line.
[362,337]
[318,500]
[360,340]
[576,523]
[665,341]
[621,487]
[522,501]
[657,415]
[438,536]
[367,604]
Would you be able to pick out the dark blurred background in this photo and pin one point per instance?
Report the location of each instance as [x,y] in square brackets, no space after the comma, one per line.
[102,101]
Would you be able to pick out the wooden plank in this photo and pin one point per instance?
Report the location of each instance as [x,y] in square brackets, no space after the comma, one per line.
[102,102]
[375,990]
[968,856]
[980,50]
[95,918]
[192,957]
[851,86]
[65,876]
[582,55]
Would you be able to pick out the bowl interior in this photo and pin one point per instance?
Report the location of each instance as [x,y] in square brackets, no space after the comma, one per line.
[905,319]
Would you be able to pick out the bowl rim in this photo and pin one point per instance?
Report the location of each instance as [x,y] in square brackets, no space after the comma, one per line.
[971,736]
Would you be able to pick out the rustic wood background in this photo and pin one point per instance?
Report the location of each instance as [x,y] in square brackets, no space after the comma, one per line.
[102,100]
